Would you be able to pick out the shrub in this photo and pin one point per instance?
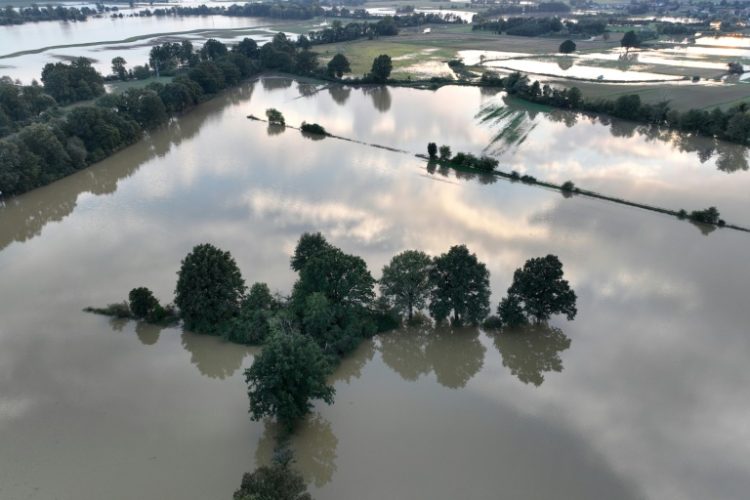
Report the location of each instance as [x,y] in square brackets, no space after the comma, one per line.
[313,128]
[275,117]
[142,302]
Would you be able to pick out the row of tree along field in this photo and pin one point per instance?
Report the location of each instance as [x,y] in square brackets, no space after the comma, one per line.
[42,143]
[731,125]
[333,306]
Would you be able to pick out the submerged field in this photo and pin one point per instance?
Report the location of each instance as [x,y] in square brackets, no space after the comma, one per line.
[635,399]
[438,413]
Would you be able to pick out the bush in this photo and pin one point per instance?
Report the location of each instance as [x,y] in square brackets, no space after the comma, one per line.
[432,150]
[445,152]
[707,216]
[275,117]
[143,303]
[118,310]
[568,186]
[313,128]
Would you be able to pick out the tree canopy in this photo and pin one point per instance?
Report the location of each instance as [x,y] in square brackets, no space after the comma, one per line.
[209,289]
[630,40]
[381,68]
[288,374]
[540,291]
[406,281]
[567,47]
[460,286]
[338,65]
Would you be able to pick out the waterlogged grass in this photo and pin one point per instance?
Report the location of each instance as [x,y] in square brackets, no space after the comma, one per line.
[362,52]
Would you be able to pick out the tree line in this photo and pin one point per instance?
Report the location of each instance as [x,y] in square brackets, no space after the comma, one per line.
[331,309]
[11,16]
[41,143]
[731,125]
[333,306]
[538,26]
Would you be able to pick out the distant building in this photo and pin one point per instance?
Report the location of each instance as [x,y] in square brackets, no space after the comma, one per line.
[715,25]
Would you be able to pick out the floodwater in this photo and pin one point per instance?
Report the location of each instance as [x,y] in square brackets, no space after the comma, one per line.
[552,68]
[102,39]
[639,398]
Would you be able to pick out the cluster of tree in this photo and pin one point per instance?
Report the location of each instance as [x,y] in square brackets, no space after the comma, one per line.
[333,306]
[41,152]
[35,13]
[21,104]
[461,160]
[731,125]
[708,216]
[73,82]
[538,26]
[141,305]
[313,128]
[339,32]
[513,8]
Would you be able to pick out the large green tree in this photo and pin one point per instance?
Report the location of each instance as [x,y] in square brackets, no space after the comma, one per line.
[286,377]
[381,68]
[460,286]
[209,289]
[338,65]
[309,245]
[540,290]
[406,281]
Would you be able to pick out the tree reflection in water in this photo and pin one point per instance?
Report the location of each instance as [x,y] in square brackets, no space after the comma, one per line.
[339,93]
[148,333]
[381,97]
[314,445]
[531,351]
[214,357]
[455,355]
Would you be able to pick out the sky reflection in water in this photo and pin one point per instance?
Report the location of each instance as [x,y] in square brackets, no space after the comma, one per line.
[637,398]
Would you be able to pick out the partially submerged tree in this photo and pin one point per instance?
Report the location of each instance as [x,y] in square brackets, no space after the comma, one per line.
[406,281]
[209,289]
[540,291]
[142,302]
[286,377]
[275,117]
[460,287]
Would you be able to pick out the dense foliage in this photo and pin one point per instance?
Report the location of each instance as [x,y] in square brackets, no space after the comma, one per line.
[68,83]
[381,68]
[36,13]
[286,376]
[460,287]
[209,289]
[538,291]
[406,281]
[338,65]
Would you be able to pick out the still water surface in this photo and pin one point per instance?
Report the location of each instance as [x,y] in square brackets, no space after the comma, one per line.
[640,397]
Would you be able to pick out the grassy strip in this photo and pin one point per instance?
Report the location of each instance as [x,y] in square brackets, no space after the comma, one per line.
[570,189]
[565,188]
